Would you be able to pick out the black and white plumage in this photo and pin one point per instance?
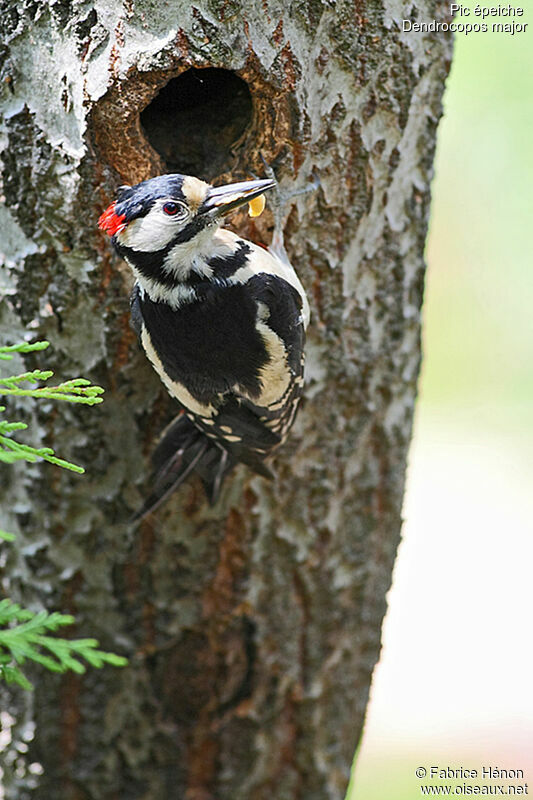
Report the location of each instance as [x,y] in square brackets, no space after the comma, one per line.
[221,319]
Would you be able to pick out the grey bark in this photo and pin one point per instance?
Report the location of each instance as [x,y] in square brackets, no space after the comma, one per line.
[252,627]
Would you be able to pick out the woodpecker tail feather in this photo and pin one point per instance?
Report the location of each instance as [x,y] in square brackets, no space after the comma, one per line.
[183,450]
[175,458]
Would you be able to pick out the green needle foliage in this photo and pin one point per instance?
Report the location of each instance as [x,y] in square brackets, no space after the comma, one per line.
[25,635]
[78,390]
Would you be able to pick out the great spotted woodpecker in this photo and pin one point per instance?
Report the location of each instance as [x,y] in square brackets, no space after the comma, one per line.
[222,321]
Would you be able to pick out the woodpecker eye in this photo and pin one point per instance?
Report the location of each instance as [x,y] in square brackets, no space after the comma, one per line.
[173,209]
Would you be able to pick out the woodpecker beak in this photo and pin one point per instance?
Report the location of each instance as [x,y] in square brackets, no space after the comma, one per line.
[223,199]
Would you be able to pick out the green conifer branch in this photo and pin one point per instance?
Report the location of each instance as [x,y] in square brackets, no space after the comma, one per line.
[6,351]
[75,390]
[25,635]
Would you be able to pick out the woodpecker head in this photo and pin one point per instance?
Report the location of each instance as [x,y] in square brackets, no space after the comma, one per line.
[160,213]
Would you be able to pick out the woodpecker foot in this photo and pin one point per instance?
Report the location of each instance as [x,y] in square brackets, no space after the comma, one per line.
[279,200]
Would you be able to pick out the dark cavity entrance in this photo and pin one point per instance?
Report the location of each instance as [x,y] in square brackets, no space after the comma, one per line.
[194,121]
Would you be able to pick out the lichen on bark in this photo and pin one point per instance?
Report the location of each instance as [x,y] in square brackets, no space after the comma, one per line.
[252,627]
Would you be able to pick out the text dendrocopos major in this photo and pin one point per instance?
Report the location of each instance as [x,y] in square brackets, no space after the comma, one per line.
[221,319]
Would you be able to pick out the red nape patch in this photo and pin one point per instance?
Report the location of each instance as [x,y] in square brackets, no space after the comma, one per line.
[110,222]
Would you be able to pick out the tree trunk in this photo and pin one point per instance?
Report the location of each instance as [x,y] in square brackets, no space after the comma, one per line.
[253,627]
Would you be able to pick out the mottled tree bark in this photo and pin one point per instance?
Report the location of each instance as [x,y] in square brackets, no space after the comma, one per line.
[252,627]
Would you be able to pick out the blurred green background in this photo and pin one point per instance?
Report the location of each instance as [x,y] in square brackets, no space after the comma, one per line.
[478,331]
[454,682]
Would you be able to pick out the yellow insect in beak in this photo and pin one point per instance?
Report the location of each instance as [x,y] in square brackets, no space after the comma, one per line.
[256,206]
[223,199]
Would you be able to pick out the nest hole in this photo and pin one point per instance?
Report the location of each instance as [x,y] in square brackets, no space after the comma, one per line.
[195,121]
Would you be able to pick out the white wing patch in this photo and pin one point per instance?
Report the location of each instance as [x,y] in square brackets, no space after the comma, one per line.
[262,261]
[275,376]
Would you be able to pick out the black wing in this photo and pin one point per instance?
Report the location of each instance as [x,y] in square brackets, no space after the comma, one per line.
[285,314]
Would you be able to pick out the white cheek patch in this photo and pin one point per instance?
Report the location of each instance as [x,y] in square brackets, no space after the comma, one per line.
[150,233]
[154,231]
